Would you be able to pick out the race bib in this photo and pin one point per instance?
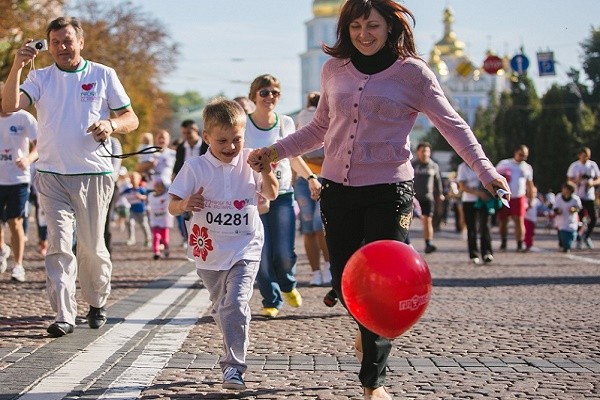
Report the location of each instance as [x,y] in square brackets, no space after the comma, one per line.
[6,155]
[213,228]
[283,173]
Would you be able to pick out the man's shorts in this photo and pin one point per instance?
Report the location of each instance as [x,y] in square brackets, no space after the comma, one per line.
[13,201]
[518,205]
[427,206]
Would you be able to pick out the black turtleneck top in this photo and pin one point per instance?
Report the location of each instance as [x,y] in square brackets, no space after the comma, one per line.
[378,62]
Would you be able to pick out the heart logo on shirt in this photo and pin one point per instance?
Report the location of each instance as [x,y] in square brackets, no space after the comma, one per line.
[7,151]
[87,86]
[239,204]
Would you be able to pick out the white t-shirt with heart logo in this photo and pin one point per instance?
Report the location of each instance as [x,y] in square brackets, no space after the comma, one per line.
[67,103]
[228,229]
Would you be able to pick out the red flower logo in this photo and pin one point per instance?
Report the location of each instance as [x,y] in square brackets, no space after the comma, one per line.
[200,242]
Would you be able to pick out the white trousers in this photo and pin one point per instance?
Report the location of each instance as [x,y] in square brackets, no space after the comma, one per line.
[83,200]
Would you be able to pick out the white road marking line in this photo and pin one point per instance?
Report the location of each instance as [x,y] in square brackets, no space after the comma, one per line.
[67,377]
[158,352]
[584,259]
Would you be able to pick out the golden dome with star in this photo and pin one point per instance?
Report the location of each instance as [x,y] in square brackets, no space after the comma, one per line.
[327,8]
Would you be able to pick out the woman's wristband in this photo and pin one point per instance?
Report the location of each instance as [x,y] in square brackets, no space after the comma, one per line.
[274,154]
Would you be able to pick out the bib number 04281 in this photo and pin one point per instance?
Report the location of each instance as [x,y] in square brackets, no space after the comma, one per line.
[227,219]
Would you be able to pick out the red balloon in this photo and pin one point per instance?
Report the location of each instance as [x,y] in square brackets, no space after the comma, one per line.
[386,286]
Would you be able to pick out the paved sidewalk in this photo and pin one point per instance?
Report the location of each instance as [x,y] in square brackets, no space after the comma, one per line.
[525,327]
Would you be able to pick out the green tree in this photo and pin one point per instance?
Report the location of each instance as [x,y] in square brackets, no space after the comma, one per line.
[516,120]
[591,66]
[187,102]
[485,129]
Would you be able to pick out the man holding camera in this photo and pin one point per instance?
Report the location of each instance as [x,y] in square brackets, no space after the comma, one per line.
[585,174]
[74,99]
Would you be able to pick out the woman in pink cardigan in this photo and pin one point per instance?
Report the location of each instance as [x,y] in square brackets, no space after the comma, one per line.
[372,90]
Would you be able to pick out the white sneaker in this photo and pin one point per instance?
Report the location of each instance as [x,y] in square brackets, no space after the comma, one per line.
[326,274]
[18,273]
[317,279]
[131,242]
[4,254]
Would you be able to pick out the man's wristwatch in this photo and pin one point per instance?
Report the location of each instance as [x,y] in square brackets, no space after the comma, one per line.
[312,176]
[113,125]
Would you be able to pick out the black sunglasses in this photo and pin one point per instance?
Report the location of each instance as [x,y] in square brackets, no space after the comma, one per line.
[266,92]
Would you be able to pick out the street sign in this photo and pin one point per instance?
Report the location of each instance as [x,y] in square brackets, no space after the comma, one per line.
[519,64]
[492,64]
[546,63]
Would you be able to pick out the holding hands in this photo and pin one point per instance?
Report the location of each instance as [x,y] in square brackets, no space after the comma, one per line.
[260,159]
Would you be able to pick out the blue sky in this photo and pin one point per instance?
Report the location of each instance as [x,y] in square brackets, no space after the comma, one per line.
[226,43]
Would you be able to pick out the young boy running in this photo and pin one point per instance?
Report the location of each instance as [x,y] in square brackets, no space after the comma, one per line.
[226,234]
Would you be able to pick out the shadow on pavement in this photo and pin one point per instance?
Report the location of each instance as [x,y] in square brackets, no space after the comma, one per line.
[516,281]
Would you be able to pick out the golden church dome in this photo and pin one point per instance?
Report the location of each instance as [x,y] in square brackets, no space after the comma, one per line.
[327,8]
[450,45]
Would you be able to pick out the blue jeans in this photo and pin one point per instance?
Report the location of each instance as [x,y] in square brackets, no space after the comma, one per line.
[277,270]
[310,210]
[566,238]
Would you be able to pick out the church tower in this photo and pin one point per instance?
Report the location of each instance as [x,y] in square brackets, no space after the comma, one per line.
[319,30]
[465,83]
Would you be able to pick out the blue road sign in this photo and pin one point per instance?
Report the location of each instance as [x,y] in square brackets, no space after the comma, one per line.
[519,64]
[546,63]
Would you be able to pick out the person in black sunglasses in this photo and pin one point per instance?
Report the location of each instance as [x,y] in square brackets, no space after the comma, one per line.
[277,274]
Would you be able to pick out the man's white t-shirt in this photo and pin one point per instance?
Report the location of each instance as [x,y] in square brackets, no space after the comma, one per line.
[256,138]
[17,130]
[67,103]
[579,170]
[517,175]
[228,229]
[466,175]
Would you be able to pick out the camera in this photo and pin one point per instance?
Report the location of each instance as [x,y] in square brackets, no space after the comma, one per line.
[39,45]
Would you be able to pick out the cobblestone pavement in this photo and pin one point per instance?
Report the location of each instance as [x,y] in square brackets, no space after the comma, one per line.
[524,327]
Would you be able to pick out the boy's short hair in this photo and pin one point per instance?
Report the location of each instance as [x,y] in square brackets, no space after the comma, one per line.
[223,112]
[570,185]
